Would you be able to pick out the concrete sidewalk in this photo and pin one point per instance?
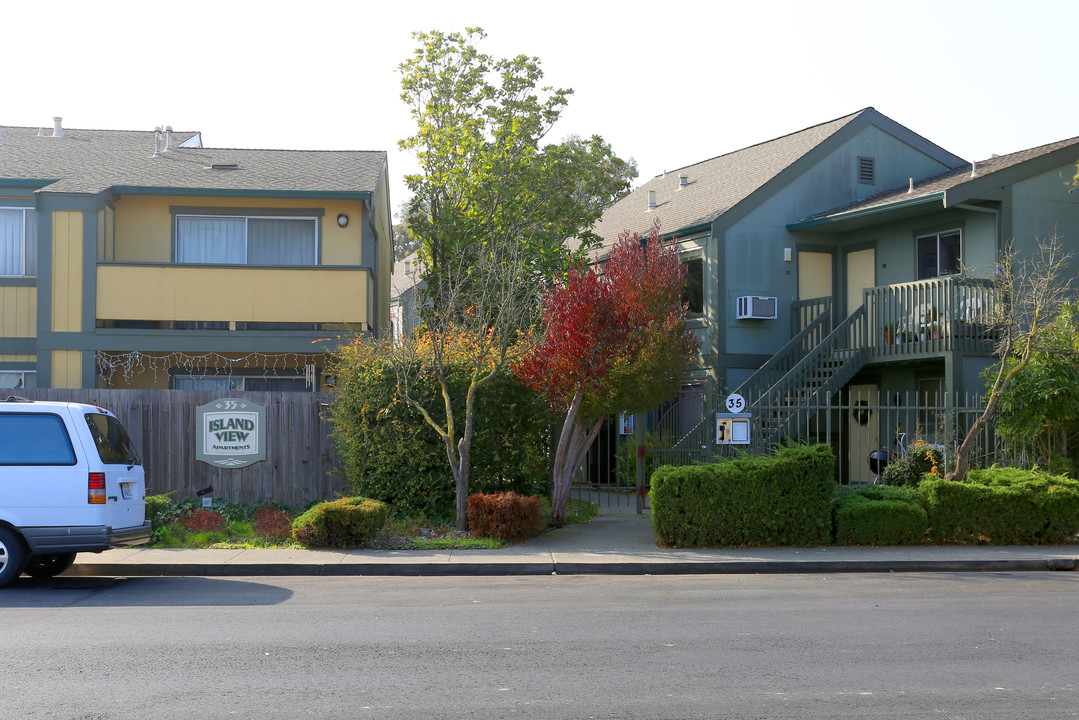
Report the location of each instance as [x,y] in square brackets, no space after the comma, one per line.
[618,541]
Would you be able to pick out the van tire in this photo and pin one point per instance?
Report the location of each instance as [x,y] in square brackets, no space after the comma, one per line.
[48,565]
[13,555]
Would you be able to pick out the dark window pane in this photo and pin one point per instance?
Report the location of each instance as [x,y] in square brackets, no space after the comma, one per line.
[113,444]
[34,440]
[927,257]
[949,253]
[693,293]
[275,384]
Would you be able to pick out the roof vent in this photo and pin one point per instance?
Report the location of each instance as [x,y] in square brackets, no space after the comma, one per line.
[57,128]
[911,188]
[157,142]
[866,171]
[41,132]
[168,139]
[974,169]
[683,180]
[224,166]
[651,200]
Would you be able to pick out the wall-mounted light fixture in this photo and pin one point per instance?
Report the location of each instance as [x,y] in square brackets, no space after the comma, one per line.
[342,220]
[786,254]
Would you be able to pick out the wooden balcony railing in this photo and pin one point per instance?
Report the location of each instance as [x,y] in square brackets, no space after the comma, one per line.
[929,317]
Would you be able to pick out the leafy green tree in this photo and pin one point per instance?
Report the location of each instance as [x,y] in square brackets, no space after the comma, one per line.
[404,242]
[1028,291]
[486,176]
[491,210]
[1040,411]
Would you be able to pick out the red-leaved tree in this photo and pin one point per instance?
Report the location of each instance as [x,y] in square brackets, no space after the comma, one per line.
[614,340]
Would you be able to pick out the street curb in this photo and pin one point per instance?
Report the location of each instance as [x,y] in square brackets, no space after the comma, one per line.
[563,568]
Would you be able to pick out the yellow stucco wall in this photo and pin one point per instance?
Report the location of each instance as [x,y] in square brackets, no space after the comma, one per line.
[66,272]
[226,294]
[144,225]
[18,312]
[66,369]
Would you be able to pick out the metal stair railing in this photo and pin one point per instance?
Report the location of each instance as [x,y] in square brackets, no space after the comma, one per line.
[825,368]
[777,367]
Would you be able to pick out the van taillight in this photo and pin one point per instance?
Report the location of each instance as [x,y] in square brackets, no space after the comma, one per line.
[96,489]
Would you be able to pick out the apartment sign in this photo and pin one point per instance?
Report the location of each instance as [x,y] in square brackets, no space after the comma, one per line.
[230,433]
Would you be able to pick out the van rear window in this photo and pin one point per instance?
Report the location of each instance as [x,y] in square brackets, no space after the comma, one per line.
[34,439]
[113,444]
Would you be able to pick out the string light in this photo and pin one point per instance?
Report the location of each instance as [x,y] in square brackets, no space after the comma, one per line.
[133,363]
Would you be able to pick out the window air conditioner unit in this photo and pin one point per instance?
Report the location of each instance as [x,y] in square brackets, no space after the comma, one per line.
[753,307]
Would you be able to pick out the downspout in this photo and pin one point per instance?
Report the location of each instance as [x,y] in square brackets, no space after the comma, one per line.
[369,206]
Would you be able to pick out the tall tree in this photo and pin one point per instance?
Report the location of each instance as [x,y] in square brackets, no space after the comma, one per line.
[614,340]
[491,210]
[486,178]
[1028,292]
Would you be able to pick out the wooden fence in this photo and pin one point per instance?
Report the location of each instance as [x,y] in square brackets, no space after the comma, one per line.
[301,462]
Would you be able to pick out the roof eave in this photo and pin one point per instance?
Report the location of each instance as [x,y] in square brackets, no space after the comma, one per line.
[240,192]
[866,212]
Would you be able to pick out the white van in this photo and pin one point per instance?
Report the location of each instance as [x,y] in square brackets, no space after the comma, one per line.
[70,482]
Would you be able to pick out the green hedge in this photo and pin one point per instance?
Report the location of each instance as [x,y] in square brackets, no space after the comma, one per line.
[879,515]
[390,453]
[347,522]
[781,499]
[1003,507]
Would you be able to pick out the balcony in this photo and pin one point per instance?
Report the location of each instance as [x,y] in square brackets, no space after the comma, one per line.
[928,317]
[309,294]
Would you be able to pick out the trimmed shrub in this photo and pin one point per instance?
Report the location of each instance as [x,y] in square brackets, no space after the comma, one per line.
[781,499]
[879,515]
[390,452]
[1003,506]
[271,523]
[921,461]
[504,516]
[347,522]
[160,511]
[202,520]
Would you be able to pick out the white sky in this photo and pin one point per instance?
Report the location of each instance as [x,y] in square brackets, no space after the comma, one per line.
[668,83]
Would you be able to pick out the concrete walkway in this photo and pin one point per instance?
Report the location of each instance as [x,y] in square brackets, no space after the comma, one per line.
[618,541]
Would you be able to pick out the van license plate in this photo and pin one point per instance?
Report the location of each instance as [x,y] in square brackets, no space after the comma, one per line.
[125,490]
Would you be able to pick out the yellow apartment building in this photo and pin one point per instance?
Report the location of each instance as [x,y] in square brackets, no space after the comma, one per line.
[142,259]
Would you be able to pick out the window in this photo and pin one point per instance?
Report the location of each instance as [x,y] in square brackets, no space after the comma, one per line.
[693,292]
[18,242]
[263,381]
[113,444]
[246,240]
[34,439]
[18,379]
[938,254]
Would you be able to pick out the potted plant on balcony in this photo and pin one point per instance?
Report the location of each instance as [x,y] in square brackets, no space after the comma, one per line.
[889,334]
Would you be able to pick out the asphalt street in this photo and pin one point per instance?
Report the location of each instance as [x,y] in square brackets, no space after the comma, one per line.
[894,645]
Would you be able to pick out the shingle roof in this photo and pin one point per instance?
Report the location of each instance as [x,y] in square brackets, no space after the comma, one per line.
[949,180]
[715,186]
[90,161]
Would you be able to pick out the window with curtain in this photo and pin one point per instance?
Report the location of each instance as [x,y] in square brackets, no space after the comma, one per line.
[938,254]
[18,242]
[241,240]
